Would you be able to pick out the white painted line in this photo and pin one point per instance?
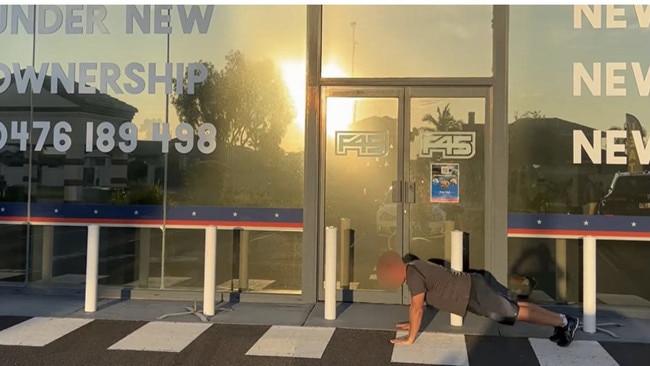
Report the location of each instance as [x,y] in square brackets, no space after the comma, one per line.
[39,332]
[578,353]
[288,341]
[161,337]
[373,277]
[433,349]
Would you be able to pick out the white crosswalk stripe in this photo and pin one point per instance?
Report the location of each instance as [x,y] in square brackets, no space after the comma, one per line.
[433,349]
[39,331]
[161,337]
[579,353]
[289,341]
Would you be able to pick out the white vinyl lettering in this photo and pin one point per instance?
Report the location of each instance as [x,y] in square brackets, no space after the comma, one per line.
[615,84]
[592,81]
[614,147]
[580,143]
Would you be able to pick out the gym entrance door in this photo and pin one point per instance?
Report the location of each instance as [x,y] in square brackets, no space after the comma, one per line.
[402,168]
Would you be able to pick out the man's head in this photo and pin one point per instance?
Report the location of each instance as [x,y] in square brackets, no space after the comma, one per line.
[391,270]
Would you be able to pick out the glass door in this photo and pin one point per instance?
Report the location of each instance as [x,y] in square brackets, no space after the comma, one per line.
[362,170]
[402,168]
[444,170]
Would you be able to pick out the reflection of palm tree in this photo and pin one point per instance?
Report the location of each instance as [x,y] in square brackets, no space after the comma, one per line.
[445,121]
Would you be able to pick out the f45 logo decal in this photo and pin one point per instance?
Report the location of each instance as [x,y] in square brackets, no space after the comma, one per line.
[366,144]
[457,145]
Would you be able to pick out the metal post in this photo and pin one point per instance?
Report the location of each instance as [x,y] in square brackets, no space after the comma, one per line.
[92,262]
[144,257]
[243,260]
[210,270]
[589,284]
[330,273]
[344,256]
[48,246]
[456,265]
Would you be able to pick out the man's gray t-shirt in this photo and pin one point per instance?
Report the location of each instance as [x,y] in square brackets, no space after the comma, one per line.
[444,289]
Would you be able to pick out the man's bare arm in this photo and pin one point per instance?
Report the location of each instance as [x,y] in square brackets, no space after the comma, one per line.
[415,315]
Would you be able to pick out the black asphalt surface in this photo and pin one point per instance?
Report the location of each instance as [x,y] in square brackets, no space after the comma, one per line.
[228,344]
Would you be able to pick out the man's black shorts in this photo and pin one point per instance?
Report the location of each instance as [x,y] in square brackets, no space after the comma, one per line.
[486,301]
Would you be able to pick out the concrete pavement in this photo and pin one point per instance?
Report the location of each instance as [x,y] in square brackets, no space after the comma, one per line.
[249,333]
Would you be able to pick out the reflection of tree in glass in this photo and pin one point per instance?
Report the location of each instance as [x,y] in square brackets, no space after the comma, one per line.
[445,120]
[533,114]
[248,103]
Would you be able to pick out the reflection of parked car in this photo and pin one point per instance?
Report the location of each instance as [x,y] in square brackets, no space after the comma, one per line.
[629,194]
[428,219]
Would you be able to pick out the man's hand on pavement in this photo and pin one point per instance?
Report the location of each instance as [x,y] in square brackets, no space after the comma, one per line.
[402,340]
[403,326]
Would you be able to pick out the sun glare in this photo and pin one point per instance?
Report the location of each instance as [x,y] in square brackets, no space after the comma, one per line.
[293,74]
[339,110]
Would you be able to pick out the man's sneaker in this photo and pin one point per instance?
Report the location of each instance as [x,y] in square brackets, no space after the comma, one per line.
[557,334]
[569,331]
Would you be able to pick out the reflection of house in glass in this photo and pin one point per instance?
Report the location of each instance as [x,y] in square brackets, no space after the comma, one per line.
[543,177]
[71,176]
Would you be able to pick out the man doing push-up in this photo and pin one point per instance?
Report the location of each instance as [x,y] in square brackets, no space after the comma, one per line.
[460,292]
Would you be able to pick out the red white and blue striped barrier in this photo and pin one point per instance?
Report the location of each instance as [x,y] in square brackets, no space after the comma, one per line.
[578,226]
[82,214]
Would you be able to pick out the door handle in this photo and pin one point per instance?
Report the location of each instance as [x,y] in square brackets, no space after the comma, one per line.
[397,191]
[410,192]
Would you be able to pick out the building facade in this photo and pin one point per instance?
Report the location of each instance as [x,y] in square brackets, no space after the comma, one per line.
[522,126]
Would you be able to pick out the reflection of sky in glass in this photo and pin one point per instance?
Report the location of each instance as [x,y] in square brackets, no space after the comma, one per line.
[544,46]
[409,41]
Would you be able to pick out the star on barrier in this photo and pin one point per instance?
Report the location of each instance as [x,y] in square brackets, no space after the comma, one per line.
[586,223]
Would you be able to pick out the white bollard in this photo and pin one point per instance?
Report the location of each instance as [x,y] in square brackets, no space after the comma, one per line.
[92,262]
[589,284]
[456,265]
[330,273]
[210,270]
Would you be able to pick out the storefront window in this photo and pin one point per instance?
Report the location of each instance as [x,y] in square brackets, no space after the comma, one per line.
[407,41]
[578,133]
[253,98]
[136,109]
